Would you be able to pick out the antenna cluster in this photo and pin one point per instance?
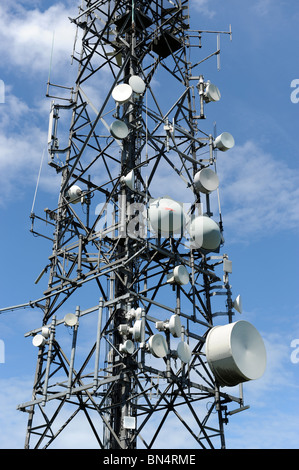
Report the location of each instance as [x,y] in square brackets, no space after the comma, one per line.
[145,268]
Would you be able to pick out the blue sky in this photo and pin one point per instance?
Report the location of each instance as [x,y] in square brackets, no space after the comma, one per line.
[259,188]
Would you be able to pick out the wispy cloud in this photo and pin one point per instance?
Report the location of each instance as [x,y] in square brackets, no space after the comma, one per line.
[26,36]
[259,193]
[204,7]
[260,427]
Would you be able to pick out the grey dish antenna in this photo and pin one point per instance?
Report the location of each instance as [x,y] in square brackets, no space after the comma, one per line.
[119,129]
[137,85]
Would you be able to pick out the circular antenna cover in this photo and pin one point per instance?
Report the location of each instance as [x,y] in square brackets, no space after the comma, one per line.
[70,319]
[205,233]
[206,181]
[184,352]
[235,353]
[128,346]
[137,330]
[158,346]
[74,194]
[181,275]
[166,216]
[45,332]
[224,142]
[137,84]
[119,129]
[38,340]
[175,326]
[238,304]
[212,93]
[129,179]
[122,93]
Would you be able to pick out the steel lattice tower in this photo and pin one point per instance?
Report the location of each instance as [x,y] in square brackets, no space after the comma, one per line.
[146,296]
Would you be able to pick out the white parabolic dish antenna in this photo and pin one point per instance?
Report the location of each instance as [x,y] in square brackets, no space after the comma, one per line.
[74,194]
[129,179]
[119,129]
[205,233]
[206,181]
[166,216]
[38,340]
[184,352]
[158,346]
[122,93]
[224,142]
[137,84]
[175,326]
[181,275]
[212,93]
[127,347]
[238,304]
[70,319]
[235,353]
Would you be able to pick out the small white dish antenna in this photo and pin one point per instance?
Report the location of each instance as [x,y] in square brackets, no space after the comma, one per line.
[129,179]
[205,233]
[74,194]
[137,330]
[184,352]
[235,353]
[45,332]
[206,181]
[238,304]
[122,93]
[119,129]
[211,93]
[38,341]
[138,313]
[134,313]
[70,319]
[224,142]
[137,84]
[179,276]
[175,326]
[158,346]
[129,422]
[127,347]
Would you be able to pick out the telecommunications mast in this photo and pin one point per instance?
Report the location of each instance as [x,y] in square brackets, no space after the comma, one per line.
[128,342]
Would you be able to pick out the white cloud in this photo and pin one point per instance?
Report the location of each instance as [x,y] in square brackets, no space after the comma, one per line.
[262,6]
[259,194]
[26,36]
[13,423]
[22,143]
[204,7]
